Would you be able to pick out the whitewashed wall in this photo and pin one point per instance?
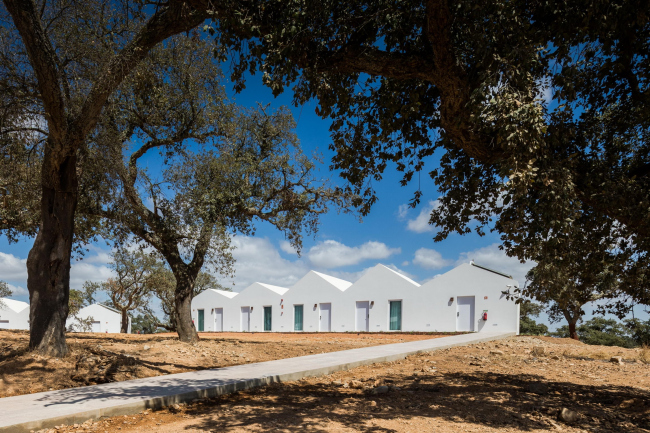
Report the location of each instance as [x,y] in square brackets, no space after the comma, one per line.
[14,314]
[109,320]
[311,291]
[433,310]
[426,307]
[209,301]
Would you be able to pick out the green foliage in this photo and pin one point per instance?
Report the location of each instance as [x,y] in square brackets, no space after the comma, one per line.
[639,331]
[463,80]
[144,324]
[600,331]
[131,288]
[527,325]
[5,292]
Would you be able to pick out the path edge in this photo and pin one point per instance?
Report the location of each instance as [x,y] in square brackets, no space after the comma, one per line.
[229,388]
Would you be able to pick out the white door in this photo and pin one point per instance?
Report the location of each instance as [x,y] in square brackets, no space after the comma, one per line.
[325,318]
[218,320]
[363,314]
[245,318]
[96,326]
[465,313]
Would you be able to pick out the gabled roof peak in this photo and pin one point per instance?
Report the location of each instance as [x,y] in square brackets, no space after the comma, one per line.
[13,305]
[277,289]
[340,284]
[398,274]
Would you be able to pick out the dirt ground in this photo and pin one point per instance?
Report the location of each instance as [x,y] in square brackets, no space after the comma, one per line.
[101,358]
[516,385]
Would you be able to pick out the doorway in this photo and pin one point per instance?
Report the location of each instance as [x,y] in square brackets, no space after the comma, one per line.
[325,323]
[465,314]
[363,316]
[201,320]
[218,320]
[267,318]
[245,319]
[297,317]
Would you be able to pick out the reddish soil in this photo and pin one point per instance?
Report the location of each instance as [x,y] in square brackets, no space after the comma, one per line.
[101,358]
[516,385]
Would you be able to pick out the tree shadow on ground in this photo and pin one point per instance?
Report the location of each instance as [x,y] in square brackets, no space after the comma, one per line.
[481,398]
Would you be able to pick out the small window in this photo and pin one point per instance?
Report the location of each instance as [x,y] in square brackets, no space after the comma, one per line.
[4,321]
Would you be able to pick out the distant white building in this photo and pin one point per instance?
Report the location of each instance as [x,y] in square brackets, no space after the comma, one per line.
[14,314]
[467,298]
[102,319]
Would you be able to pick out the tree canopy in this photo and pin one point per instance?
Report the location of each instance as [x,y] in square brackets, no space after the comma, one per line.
[463,80]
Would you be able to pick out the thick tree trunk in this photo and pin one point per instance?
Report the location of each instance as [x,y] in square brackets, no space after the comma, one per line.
[48,263]
[183,303]
[573,333]
[125,322]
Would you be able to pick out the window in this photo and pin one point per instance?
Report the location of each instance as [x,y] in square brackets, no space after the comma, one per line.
[395,319]
[297,317]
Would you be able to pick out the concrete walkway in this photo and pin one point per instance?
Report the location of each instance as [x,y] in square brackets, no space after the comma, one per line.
[76,405]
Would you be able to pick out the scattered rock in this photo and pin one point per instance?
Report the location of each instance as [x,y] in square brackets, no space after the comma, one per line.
[538,351]
[373,403]
[556,357]
[568,415]
[175,408]
[355,384]
[380,390]
[496,352]
[538,388]
[616,360]
[337,383]
[146,347]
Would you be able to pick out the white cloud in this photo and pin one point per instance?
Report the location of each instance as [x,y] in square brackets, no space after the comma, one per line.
[257,259]
[430,259]
[402,211]
[18,290]
[12,268]
[492,257]
[332,254]
[419,224]
[81,272]
[288,248]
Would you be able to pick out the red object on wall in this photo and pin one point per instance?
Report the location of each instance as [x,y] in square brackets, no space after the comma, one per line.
[485,315]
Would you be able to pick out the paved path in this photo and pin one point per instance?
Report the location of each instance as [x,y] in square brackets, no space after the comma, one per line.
[76,405]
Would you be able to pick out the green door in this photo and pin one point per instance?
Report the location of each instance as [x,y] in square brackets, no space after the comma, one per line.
[297,317]
[200,320]
[395,316]
[267,318]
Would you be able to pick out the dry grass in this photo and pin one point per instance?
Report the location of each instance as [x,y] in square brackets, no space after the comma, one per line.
[644,355]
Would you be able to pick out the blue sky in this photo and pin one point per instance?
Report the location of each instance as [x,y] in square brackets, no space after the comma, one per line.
[392,233]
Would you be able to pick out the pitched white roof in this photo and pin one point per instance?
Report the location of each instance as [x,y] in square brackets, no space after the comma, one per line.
[336,282]
[225,293]
[13,305]
[403,276]
[277,289]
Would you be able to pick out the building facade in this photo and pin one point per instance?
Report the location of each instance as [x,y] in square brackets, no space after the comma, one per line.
[468,298]
[101,319]
[14,314]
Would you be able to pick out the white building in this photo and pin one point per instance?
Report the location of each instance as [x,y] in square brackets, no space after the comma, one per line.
[14,314]
[103,319]
[467,298]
